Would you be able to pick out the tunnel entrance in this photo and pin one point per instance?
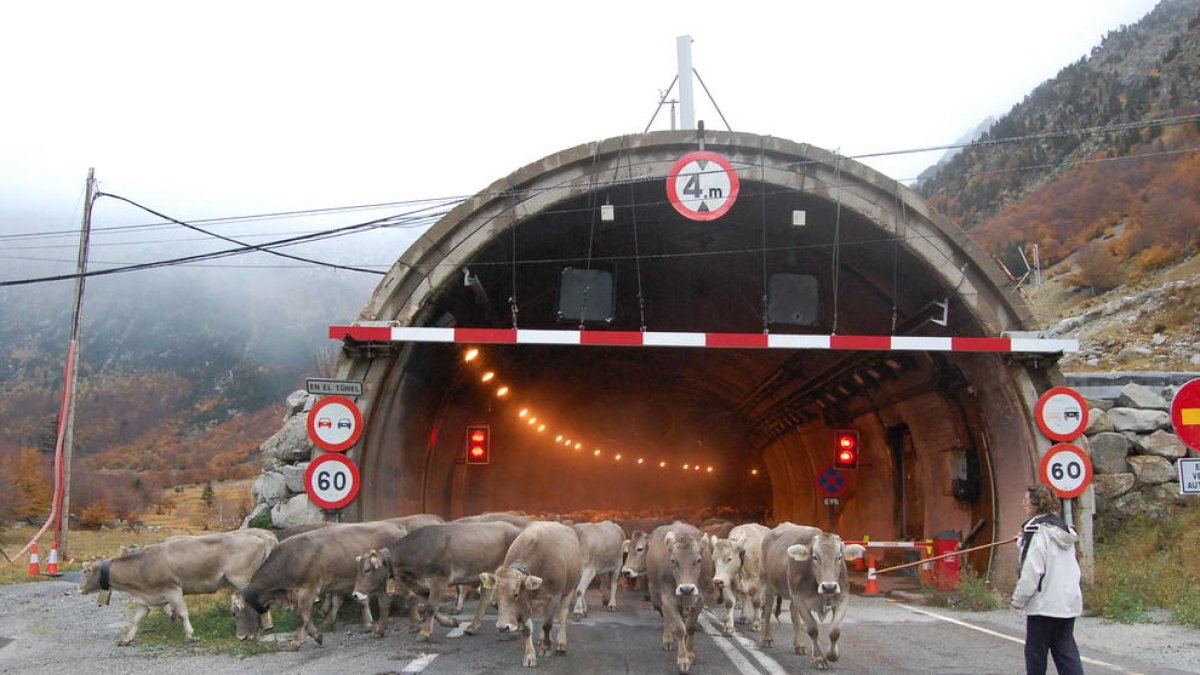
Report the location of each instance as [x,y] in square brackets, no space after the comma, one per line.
[587,241]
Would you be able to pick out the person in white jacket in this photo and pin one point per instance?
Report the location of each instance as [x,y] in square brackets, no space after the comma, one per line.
[1047,589]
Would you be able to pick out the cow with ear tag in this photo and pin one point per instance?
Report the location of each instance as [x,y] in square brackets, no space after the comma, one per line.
[540,574]
[674,559]
[808,566]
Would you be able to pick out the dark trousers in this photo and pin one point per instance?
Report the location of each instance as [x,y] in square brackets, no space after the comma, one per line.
[1048,633]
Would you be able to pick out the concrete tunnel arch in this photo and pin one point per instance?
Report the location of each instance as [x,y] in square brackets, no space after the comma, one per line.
[948,438]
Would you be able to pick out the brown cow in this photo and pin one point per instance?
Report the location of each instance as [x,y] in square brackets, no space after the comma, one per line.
[161,574]
[603,545]
[304,567]
[541,571]
[431,559]
[674,559]
[635,558]
[808,567]
[738,574]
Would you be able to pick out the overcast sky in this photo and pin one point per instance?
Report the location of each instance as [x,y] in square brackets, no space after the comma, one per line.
[222,108]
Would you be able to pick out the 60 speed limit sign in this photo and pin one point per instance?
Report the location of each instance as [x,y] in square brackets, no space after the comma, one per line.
[332,481]
[1067,470]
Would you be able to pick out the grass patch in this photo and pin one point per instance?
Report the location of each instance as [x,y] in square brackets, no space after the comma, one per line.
[84,545]
[1143,565]
[974,593]
[213,627]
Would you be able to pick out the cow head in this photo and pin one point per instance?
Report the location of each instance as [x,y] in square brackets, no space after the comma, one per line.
[374,569]
[685,553]
[248,608]
[827,556]
[91,576]
[728,556]
[513,591]
[635,560]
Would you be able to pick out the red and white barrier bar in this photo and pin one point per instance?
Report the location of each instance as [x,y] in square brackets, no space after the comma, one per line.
[382,332]
[924,544]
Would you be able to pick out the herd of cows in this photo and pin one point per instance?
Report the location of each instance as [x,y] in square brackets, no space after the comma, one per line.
[522,566]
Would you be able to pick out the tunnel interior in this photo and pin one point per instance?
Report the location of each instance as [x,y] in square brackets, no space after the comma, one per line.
[753,427]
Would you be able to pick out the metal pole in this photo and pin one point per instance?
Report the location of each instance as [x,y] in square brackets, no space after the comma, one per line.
[61,527]
[687,104]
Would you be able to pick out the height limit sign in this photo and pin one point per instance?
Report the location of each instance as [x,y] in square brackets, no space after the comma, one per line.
[702,186]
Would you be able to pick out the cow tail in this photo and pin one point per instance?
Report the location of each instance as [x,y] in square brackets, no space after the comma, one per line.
[778,606]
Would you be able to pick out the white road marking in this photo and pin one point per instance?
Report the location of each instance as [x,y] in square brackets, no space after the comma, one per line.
[731,652]
[418,664]
[766,662]
[1010,638]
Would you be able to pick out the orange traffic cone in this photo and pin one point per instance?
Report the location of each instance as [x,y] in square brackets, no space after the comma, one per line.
[52,563]
[872,589]
[34,562]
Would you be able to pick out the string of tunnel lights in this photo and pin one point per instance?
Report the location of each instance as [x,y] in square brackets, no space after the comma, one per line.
[472,356]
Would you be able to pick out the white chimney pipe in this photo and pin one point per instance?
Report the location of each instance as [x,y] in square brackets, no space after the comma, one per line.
[687,105]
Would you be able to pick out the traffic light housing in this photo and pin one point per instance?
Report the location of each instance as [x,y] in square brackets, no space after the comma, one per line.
[845,449]
[479,444]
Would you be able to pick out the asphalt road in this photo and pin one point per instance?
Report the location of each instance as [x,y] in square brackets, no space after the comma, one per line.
[48,628]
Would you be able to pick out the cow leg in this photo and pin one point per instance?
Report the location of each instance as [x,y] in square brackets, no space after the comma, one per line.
[385,612]
[835,628]
[485,599]
[585,580]
[179,608]
[460,597]
[674,626]
[610,602]
[437,591]
[768,636]
[813,628]
[800,617]
[304,605]
[138,614]
[332,609]
[530,659]
[560,641]
[729,600]
[756,604]
[549,609]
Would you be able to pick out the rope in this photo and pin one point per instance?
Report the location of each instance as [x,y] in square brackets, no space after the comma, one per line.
[947,555]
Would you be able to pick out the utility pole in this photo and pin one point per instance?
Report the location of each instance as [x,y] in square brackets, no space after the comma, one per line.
[70,376]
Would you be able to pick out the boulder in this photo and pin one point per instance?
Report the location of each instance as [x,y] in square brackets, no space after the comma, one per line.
[296,511]
[1136,396]
[1098,421]
[1134,419]
[1162,444]
[297,402]
[1151,470]
[290,444]
[271,488]
[293,475]
[1111,486]
[1109,451]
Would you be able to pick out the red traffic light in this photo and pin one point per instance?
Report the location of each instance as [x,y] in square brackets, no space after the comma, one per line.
[845,443]
[479,444]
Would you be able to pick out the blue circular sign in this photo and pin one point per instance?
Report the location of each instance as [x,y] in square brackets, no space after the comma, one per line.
[831,482]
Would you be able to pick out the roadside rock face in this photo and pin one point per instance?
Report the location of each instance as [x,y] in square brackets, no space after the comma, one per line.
[285,458]
[296,511]
[1109,450]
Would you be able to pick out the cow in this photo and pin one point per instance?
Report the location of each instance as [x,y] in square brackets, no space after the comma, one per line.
[738,574]
[603,546]
[635,558]
[431,559]
[161,574]
[304,567]
[416,521]
[674,558]
[808,566]
[541,571]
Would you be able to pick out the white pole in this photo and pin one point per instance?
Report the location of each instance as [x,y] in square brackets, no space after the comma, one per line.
[687,106]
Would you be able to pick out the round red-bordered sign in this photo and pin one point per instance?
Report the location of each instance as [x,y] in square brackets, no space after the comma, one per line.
[1061,414]
[702,185]
[335,423]
[332,481]
[1185,414]
[1067,470]
[831,482]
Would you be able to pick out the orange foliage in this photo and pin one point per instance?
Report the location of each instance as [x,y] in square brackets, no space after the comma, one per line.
[26,484]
